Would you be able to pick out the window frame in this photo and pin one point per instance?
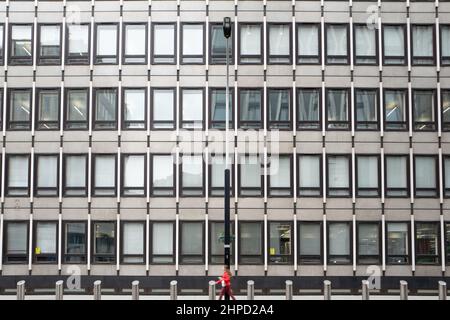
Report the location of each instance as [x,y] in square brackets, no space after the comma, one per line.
[445,126]
[356,57]
[269,56]
[261,44]
[211,188]
[446,191]
[182,55]
[39,122]
[434,112]
[243,124]
[151,113]
[349,114]
[18,60]
[436,178]
[405,123]
[358,189]
[98,58]
[240,188]
[124,55]
[405,45]
[67,122]
[170,189]
[260,257]
[271,124]
[151,254]
[94,189]
[351,253]
[232,243]
[93,238]
[211,122]
[182,190]
[180,243]
[7,187]
[49,255]
[231,45]
[290,257]
[320,189]
[64,255]
[175,48]
[291,178]
[408,181]
[438,243]
[36,175]
[124,122]
[7,256]
[123,256]
[408,256]
[2,44]
[84,60]
[49,60]
[319,45]
[350,182]
[445,60]
[431,60]
[360,256]
[64,178]
[122,176]
[95,121]
[183,122]
[377,111]
[297,106]
[9,122]
[300,256]
[327,56]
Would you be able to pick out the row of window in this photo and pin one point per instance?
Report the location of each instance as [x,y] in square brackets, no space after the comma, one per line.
[162,175]
[250,44]
[310,246]
[251,114]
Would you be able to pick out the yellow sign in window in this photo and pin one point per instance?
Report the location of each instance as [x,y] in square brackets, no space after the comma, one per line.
[37,250]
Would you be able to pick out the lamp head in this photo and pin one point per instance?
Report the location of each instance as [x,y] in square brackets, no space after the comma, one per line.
[227,27]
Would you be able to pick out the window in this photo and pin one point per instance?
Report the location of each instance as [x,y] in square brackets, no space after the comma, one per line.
[397,172]
[338,117]
[337,44]
[104,242]
[218,48]
[339,243]
[192,108]
[338,178]
[163,108]
[192,50]
[75,242]
[250,101]
[19,109]
[104,175]
[250,243]
[217,240]
[1,108]
[135,44]
[192,178]
[394,44]
[217,175]
[133,168]
[279,43]
[45,242]
[368,243]
[2,44]
[280,177]
[16,246]
[218,108]
[105,114]
[397,234]
[422,44]
[280,242]
[310,242]
[310,175]
[75,175]
[368,184]
[425,176]
[106,49]
[424,110]
[308,44]
[308,109]
[445,110]
[78,39]
[279,109]
[445,44]
[76,109]
[133,240]
[192,241]
[162,242]
[48,109]
[395,110]
[18,175]
[447,241]
[250,43]
[446,165]
[250,178]
[49,44]
[163,43]
[427,242]
[47,175]
[366,109]
[365,44]
[162,175]
[21,48]
[134,108]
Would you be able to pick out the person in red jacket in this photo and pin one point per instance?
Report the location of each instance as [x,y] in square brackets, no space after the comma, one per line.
[226,284]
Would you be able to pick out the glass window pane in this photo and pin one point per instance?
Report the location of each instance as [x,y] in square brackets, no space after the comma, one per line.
[337,109]
[310,240]
[135,40]
[21,36]
[192,239]
[250,108]
[18,172]
[218,104]
[308,43]
[164,39]
[16,239]
[105,241]
[105,174]
[365,42]
[280,171]
[397,243]
[75,239]
[250,43]
[135,107]
[192,41]
[308,112]
[280,242]
[250,239]
[338,175]
[192,175]
[45,238]
[162,239]
[192,108]
[427,243]
[163,108]
[250,168]
[424,110]
[20,109]
[78,36]
[445,43]
[279,106]
[394,44]
[134,166]
[48,109]
[76,174]
[133,241]
[422,39]
[366,109]
[339,242]
[396,175]
[395,109]
[218,45]
[367,175]
[105,108]
[425,176]
[368,242]
[309,175]
[337,44]
[279,43]
[47,173]
[106,40]
[77,103]
[50,38]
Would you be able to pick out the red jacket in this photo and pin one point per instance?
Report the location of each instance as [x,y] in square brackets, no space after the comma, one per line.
[226,278]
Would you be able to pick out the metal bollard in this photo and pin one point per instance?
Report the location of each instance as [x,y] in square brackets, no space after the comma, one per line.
[21,290]
[97,290]
[212,290]
[403,290]
[289,290]
[59,290]
[442,290]
[173,290]
[250,290]
[135,290]
[326,290]
[365,290]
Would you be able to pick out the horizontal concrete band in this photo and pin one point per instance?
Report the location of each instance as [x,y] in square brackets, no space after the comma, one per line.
[239,283]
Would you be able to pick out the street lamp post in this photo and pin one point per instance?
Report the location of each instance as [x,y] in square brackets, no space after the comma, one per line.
[227,34]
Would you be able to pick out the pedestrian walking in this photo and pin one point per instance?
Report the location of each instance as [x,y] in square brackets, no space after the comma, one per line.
[225,280]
